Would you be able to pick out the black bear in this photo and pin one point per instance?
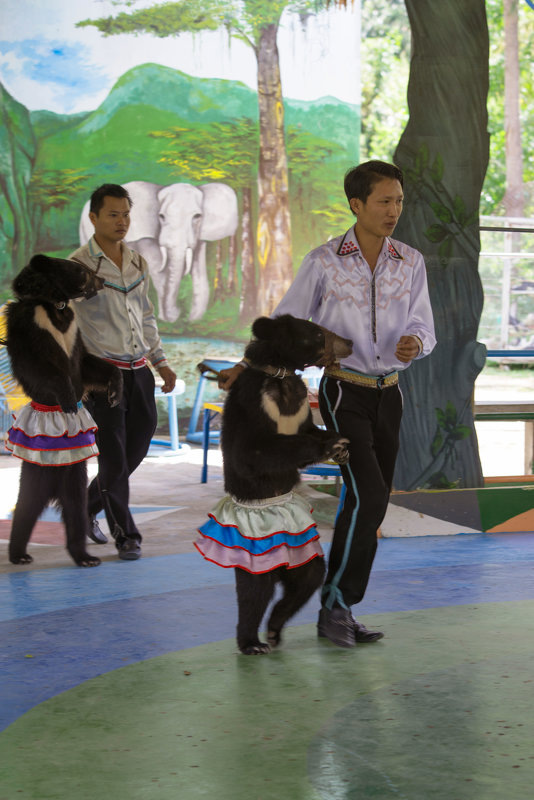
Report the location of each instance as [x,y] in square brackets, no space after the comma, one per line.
[53,434]
[262,527]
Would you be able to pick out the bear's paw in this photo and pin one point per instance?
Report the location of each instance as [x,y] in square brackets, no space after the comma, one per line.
[88,561]
[256,649]
[339,451]
[23,559]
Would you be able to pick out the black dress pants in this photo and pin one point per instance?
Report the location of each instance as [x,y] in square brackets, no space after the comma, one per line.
[123,438]
[370,418]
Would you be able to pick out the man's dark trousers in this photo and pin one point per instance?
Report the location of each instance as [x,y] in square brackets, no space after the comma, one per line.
[370,418]
[123,438]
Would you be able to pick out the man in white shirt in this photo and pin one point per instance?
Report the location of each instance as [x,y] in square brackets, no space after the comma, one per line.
[371,289]
[119,325]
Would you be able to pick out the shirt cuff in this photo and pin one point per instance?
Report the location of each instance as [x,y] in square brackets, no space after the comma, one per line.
[419,342]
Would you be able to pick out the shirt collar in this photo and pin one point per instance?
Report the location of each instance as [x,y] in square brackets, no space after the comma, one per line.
[349,246]
[95,251]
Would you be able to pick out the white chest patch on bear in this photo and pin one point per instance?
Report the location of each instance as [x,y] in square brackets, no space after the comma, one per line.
[65,340]
[288,425]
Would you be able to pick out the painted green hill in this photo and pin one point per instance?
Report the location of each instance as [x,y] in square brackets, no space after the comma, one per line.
[329,119]
[151,97]
[168,90]
[47,123]
[113,143]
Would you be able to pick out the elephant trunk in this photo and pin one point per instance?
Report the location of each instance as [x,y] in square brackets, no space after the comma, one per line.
[201,289]
[188,260]
[175,269]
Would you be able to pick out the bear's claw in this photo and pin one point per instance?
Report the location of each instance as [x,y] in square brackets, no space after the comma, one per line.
[339,452]
[88,561]
[259,649]
[24,559]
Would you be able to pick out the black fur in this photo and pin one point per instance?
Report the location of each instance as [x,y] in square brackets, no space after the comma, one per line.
[52,376]
[260,462]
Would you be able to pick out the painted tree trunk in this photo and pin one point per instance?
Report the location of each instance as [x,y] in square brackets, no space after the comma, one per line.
[232,266]
[444,154]
[274,224]
[218,284]
[249,297]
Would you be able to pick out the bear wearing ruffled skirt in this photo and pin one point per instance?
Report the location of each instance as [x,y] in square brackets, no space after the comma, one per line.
[262,527]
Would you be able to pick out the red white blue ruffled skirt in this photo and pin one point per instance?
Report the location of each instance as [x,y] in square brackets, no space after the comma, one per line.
[260,535]
[47,436]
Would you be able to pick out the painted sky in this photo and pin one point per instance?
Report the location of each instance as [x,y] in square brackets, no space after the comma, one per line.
[48,63]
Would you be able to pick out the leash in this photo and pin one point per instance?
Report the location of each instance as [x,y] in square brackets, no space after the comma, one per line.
[272,372]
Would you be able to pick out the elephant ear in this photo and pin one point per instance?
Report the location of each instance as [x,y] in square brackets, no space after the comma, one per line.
[85,229]
[144,215]
[219,212]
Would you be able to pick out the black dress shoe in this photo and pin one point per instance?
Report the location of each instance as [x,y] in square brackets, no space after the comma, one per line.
[129,550]
[363,636]
[95,534]
[337,625]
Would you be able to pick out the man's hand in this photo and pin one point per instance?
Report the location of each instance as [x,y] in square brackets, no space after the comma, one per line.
[407,348]
[169,379]
[227,377]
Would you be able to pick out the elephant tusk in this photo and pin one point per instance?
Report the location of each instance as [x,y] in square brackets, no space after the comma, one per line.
[161,266]
[188,260]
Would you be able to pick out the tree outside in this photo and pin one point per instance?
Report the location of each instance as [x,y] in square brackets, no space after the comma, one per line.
[385,53]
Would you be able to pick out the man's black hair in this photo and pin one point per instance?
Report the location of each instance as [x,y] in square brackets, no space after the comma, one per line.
[107,190]
[360,180]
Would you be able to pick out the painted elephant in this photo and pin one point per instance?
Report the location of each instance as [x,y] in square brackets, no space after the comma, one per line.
[170,227]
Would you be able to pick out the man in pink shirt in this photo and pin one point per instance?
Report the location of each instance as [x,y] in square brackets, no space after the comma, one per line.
[372,289]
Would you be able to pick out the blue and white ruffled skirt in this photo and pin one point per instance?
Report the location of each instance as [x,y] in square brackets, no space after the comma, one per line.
[260,535]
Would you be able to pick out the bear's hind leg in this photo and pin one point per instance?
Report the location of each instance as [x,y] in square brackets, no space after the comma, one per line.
[253,595]
[35,490]
[299,584]
[72,498]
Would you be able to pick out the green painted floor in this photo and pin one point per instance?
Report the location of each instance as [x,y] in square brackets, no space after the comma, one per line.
[441,709]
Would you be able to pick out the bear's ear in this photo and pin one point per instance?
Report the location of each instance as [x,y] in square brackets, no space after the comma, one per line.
[32,283]
[41,263]
[263,328]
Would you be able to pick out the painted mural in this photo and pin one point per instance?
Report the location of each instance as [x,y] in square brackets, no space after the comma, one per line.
[231,123]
